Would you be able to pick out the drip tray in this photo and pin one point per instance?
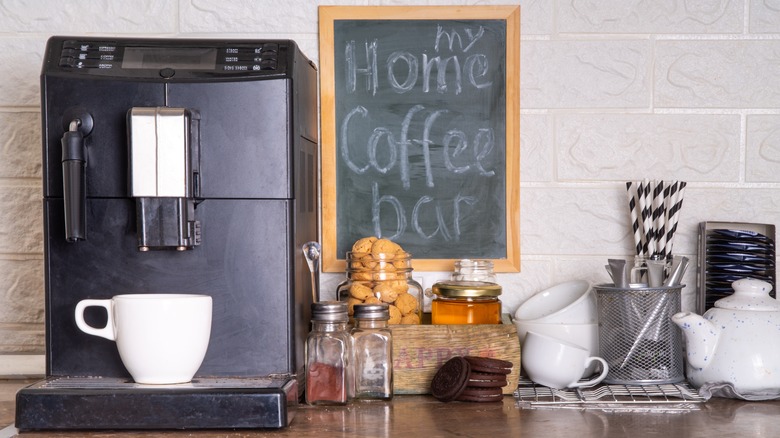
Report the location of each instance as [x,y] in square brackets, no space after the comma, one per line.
[92,403]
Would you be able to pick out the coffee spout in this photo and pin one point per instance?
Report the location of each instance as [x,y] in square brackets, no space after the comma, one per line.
[162,178]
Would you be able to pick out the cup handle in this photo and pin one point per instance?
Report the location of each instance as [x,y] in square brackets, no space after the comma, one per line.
[596,380]
[104,332]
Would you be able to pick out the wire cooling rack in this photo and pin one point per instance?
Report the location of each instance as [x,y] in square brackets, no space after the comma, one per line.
[679,397]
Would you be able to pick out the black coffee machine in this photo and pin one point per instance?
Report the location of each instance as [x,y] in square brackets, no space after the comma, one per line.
[177,166]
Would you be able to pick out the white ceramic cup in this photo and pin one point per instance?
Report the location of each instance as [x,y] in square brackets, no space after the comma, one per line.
[161,338]
[572,302]
[556,363]
[583,335]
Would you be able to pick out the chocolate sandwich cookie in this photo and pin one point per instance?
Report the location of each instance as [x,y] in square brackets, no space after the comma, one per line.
[451,379]
[487,380]
[489,365]
[473,394]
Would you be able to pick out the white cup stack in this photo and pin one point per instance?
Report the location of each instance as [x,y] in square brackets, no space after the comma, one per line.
[567,312]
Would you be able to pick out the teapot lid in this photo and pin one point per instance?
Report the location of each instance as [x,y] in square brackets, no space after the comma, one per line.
[749,294]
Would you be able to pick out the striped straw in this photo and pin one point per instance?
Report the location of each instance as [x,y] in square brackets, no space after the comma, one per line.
[642,192]
[674,214]
[632,209]
[671,213]
[659,219]
[654,209]
[650,234]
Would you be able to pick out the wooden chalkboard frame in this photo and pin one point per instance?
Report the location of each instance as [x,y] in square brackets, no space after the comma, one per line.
[333,262]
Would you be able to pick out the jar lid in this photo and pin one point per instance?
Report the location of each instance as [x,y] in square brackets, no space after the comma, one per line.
[466,289]
[329,311]
[371,311]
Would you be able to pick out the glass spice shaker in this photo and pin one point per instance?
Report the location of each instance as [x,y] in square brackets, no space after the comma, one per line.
[372,343]
[328,355]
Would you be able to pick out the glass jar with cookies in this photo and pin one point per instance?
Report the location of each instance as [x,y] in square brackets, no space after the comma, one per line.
[380,271]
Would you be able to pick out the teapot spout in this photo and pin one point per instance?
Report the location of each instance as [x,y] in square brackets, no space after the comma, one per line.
[701,338]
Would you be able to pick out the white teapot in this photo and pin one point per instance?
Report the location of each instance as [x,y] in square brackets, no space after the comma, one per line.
[737,341]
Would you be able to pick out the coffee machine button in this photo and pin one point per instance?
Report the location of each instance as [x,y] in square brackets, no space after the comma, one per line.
[167,73]
[268,64]
[70,44]
[67,61]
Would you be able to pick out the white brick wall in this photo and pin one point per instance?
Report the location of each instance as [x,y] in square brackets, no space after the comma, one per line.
[611,90]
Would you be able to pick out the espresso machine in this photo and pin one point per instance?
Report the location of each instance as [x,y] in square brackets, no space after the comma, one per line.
[177,166]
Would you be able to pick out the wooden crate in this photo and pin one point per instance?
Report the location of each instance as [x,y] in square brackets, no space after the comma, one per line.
[419,351]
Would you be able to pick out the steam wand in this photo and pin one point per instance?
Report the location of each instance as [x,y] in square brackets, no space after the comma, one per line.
[74,184]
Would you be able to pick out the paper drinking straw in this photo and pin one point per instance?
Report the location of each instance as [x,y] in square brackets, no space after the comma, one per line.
[677,206]
[650,229]
[642,195]
[661,228]
[671,213]
[634,214]
[658,218]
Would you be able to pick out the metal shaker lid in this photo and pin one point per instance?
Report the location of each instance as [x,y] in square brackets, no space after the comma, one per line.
[329,311]
[372,311]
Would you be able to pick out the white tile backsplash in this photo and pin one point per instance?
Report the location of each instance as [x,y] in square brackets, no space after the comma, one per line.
[579,74]
[638,16]
[717,74]
[688,147]
[611,91]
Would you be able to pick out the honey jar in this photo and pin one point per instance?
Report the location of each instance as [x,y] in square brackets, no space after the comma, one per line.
[466,302]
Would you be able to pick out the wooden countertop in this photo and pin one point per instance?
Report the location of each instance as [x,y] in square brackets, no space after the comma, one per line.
[424,416]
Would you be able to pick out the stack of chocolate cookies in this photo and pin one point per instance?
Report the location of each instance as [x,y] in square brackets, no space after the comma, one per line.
[471,378]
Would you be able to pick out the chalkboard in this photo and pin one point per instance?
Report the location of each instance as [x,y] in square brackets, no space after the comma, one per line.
[420,135]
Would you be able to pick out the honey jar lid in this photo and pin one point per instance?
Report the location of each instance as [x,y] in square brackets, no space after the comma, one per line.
[466,289]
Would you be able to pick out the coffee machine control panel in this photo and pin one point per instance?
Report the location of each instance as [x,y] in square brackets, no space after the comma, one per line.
[177,59]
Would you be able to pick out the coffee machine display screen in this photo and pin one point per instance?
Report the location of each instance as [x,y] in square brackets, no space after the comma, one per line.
[181,58]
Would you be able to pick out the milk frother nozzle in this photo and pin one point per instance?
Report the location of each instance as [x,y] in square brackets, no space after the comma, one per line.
[74,186]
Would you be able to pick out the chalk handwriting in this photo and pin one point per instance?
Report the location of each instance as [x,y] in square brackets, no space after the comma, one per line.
[483,146]
[403,69]
[447,230]
[430,142]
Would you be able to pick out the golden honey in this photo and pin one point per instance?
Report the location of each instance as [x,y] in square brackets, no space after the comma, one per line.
[466,302]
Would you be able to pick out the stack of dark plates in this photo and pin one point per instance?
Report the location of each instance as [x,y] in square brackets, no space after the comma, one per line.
[734,254]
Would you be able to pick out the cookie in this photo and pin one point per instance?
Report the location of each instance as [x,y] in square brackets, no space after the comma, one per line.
[360,291]
[411,318]
[406,303]
[385,292]
[450,379]
[401,259]
[385,246]
[489,365]
[372,300]
[395,315]
[473,394]
[364,245]
[399,285]
[487,380]
[351,305]
[361,275]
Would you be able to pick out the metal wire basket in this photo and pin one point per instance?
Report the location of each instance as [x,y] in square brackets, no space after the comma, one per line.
[636,336]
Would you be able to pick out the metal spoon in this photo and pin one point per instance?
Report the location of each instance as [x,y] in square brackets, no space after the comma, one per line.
[311,250]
